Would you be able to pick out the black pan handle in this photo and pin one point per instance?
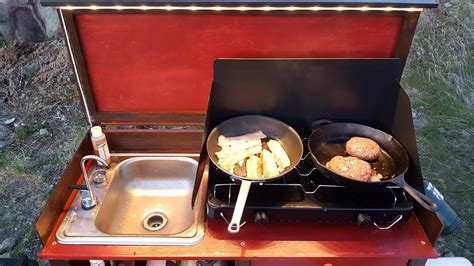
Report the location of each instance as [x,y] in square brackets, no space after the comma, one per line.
[421,198]
[321,122]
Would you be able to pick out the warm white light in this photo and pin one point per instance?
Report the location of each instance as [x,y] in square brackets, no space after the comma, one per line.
[241,8]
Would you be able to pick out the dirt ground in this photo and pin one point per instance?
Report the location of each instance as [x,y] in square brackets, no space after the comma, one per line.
[42,122]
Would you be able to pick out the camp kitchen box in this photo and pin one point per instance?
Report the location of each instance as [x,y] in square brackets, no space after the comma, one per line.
[142,65]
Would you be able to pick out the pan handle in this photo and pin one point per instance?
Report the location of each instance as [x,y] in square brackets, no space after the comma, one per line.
[321,122]
[234,225]
[421,198]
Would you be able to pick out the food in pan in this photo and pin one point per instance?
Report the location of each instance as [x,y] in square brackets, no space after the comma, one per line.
[376,177]
[279,153]
[235,149]
[253,167]
[229,162]
[363,148]
[225,142]
[252,155]
[350,167]
[269,165]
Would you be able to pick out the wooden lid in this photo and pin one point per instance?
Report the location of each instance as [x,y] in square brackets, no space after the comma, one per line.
[154,67]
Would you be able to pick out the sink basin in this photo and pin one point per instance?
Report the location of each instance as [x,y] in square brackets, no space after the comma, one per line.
[144,201]
[149,196]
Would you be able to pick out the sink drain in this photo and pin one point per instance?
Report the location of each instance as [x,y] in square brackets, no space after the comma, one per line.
[155,221]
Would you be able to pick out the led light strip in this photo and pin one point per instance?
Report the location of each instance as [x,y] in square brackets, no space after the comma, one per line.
[74,65]
[242,8]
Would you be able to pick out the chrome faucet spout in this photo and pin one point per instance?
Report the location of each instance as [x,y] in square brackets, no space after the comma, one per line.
[88,199]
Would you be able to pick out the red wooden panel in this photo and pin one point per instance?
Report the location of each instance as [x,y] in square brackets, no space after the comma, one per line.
[163,62]
[276,241]
[334,262]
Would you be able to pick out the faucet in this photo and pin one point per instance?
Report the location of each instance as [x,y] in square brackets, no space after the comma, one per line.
[88,200]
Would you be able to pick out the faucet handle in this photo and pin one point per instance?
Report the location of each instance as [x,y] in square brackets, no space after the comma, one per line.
[87,199]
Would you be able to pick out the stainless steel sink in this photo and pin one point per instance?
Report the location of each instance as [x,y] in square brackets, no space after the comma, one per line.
[144,201]
[149,196]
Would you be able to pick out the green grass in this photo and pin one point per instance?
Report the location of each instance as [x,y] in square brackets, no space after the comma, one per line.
[26,132]
[439,79]
[3,45]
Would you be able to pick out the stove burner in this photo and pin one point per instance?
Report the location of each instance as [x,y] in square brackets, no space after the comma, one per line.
[304,194]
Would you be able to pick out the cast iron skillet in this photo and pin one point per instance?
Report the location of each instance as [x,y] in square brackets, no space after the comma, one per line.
[328,140]
[274,129]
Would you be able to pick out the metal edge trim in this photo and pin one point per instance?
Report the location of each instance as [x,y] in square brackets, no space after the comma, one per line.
[74,64]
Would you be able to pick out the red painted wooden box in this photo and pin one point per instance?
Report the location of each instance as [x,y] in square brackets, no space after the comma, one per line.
[150,63]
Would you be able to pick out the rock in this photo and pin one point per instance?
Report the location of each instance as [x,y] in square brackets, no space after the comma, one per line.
[7,244]
[449,254]
[50,19]
[5,132]
[44,132]
[6,136]
[27,21]
[24,24]
[448,4]
[31,68]
[465,133]
[48,168]
[4,143]
[9,121]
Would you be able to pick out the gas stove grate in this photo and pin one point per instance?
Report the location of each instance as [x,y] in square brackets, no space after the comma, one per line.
[305,194]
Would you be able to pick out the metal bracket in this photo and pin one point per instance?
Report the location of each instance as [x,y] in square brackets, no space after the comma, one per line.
[397,219]
[225,219]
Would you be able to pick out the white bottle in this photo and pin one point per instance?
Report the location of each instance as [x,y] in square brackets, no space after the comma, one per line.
[99,142]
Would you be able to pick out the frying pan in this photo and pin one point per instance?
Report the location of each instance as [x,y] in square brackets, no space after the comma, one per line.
[241,125]
[329,140]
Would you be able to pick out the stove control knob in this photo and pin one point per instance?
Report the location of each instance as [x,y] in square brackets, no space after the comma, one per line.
[261,218]
[363,220]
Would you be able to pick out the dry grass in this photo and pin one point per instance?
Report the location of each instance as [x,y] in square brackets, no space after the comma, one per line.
[439,79]
[37,90]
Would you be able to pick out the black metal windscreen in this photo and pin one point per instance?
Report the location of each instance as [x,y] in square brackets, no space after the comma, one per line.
[301,91]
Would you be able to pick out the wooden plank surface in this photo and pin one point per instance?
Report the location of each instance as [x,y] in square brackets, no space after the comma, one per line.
[276,241]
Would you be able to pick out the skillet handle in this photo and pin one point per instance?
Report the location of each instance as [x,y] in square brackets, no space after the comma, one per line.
[421,198]
[234,225]
[321,122]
